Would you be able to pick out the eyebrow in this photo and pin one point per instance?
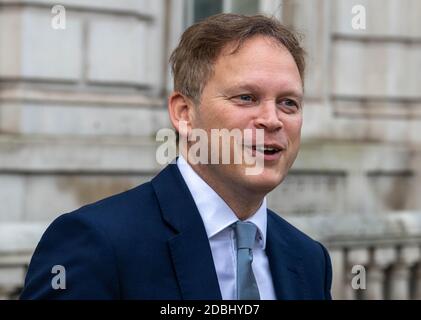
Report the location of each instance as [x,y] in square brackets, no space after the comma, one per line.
[289,91]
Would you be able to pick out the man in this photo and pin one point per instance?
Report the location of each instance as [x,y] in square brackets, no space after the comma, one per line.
[200,230]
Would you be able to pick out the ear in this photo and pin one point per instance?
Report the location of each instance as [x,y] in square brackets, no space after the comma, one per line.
[180,109]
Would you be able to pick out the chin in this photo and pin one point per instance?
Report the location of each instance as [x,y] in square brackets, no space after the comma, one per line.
[266,181]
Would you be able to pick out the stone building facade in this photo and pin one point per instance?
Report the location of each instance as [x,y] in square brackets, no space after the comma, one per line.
[80,107]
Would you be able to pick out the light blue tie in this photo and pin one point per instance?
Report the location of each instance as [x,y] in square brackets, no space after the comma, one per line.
[245,233]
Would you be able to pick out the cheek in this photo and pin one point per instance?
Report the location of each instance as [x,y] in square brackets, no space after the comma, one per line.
[208,118]
[293,129]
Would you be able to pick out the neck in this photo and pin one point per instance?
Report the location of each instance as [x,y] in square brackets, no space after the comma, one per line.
[242,202]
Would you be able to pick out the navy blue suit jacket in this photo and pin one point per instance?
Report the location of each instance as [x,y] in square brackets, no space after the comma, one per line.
[150,243]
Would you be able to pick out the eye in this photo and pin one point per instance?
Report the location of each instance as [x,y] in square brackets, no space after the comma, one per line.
[246,97]
[290,104]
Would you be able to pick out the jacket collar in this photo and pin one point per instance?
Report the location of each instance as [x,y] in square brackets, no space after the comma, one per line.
[215,212]
[190,250]
[191,253]
[285,263]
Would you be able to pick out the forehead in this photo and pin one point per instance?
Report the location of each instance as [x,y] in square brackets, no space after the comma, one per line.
[259,61]
[254,41]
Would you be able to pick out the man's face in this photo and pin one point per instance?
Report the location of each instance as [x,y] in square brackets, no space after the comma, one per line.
[258,87]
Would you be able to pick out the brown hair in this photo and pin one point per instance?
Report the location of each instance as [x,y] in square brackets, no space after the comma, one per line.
[200,45]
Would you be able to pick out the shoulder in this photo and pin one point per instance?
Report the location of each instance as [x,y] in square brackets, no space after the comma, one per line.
[315,257]
[289,231]
[115,212]
[125,203]
[297,238]
[89,241]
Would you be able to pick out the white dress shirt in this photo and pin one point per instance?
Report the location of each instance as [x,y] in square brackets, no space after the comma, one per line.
[217,217]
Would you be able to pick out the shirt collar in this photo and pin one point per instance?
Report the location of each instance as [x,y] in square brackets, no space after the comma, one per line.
[215,212]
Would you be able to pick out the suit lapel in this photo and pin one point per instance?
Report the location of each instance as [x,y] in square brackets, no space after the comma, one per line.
[191,254]
[190,250]
[285,265]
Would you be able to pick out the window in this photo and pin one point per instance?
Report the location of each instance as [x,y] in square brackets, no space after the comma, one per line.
[247,7]
[199,9]
[206,8]
[184,13]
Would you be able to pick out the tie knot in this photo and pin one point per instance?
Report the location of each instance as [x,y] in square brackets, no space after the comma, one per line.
[245,233]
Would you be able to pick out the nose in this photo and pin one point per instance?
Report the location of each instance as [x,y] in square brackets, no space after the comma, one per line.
[268,117]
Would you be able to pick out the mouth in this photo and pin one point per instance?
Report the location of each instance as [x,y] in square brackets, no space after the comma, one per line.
[268,151]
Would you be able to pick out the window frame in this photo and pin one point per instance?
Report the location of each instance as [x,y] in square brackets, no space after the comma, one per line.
[180,13]
[271,7]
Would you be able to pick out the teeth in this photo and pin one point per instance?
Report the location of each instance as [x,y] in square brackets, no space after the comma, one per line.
[263,149]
